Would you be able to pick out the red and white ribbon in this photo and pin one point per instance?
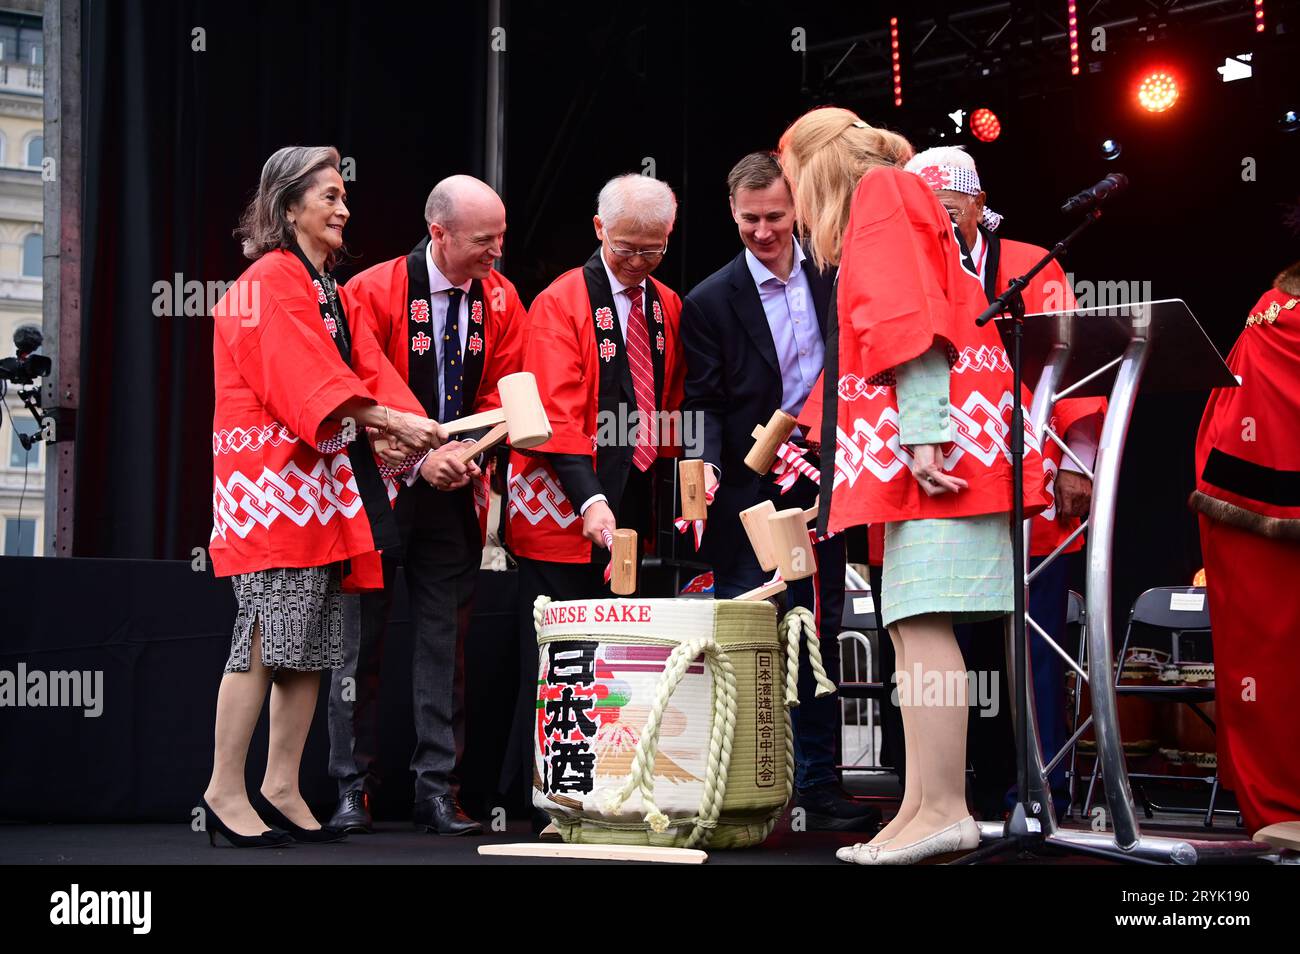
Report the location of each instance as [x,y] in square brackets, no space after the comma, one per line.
[609,545]
[790,466]
[682,524]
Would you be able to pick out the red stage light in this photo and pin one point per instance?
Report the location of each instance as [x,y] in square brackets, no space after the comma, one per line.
[984,125]
[1158,91]
[898,72]
[1259,16]
[1073,21]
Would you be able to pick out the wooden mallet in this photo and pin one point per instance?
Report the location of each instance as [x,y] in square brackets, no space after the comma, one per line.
[768,439]
[622,562]
[791,544]
[754,520]
[690,477]
[521,416]
[780,541]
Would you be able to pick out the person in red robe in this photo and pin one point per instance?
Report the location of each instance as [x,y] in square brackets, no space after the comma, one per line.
[951,172]
[450,323]
[603,342]
[902,301]
[297,492]
[1247,500]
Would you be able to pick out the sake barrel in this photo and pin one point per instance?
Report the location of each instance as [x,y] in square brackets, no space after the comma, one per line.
[661,721]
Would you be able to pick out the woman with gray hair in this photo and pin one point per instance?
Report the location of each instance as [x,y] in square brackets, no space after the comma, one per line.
[298,494]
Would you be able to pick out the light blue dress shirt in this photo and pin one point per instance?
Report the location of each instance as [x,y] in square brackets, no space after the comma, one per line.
[792,318]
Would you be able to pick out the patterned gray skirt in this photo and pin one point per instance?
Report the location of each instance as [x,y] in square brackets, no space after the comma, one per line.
[301,611]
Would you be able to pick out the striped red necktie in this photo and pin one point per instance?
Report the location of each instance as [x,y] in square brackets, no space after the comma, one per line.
[643,379]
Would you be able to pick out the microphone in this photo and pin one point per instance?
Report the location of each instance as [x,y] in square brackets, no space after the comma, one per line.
[1096,195]
[27,338]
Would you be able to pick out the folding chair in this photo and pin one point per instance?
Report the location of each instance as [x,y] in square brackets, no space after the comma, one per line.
[1177,611]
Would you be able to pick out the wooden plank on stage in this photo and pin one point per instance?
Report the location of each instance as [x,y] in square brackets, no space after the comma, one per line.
[1281,835]
[675,856]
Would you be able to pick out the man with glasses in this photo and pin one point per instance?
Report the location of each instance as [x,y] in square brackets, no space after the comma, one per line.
[452,325]
[603,342]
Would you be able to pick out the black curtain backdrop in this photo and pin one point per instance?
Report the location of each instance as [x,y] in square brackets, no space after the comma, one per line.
[176,139]
[174,145]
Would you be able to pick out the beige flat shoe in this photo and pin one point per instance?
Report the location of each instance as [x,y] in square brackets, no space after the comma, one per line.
[959,836]
[855,853]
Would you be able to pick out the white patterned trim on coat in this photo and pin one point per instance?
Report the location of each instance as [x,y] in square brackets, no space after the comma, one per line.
[242,502]
[251,438]
[536,496]
[980,359]
[979,428]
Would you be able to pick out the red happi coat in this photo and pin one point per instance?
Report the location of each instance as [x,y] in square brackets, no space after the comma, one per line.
[1049,292]
[901,288]
[381,295]
[278,500]
[1247,458]
[561,349]
[1248,495]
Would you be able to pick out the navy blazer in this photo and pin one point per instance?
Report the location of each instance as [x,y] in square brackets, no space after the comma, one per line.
[733,383]
[733,379]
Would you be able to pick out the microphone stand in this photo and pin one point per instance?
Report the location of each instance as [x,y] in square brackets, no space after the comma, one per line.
[1024,828]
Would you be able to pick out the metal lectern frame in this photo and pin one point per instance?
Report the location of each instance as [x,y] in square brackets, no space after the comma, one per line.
[1129,365]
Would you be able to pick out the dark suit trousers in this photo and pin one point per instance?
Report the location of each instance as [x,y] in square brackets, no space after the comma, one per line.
[441,564]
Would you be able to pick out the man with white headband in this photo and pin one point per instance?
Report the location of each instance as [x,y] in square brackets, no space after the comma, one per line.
[950,171]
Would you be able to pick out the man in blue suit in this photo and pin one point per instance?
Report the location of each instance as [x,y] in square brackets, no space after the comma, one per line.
[753,336]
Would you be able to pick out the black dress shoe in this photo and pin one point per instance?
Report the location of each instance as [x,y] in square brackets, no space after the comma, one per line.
[443,815]
[307,836]
[830,808]
[353,814]
[271,838]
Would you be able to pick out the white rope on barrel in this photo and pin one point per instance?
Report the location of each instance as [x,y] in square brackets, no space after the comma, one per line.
[722,731]
[539,611]
[723,726]
[801,618]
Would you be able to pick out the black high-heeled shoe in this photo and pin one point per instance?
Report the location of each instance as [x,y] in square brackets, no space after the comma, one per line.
[271,838]
[308,836]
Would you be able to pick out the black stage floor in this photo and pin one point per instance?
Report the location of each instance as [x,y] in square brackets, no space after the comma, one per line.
[394,843]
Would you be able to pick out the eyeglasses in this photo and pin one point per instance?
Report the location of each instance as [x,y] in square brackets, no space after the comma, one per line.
[649,254]
[956,214]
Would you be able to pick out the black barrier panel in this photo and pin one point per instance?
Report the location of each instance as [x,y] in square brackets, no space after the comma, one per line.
[153,636]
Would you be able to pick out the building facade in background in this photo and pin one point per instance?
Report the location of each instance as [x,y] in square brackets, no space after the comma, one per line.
[22,472]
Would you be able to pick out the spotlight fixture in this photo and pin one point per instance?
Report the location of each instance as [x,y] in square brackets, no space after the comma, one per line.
[1111,148]
[1290,121]
[984,125]
[1158,91]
